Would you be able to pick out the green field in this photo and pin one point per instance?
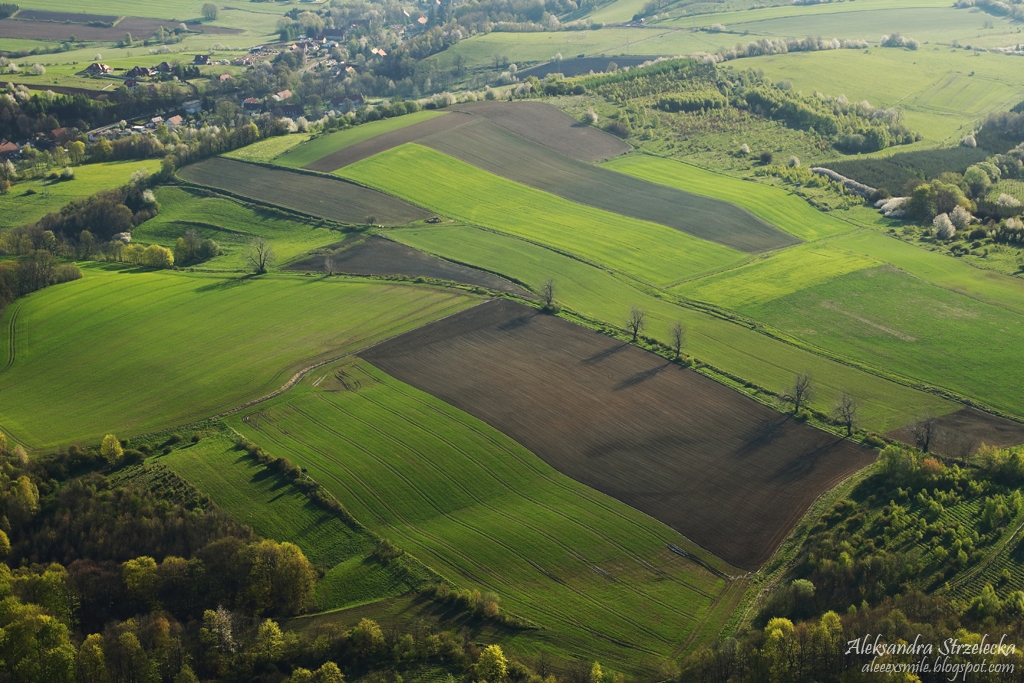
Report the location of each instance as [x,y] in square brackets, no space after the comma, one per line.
[897,322]
[178,10]
[596,576]
[231,225]
[780,208]
[251,494]
[599,295]
[454,188]
[17,208]
[268,149]
[317,148]
[128,352]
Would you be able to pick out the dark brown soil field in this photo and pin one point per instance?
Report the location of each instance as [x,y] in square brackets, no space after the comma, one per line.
[385,141]
[961,433]
[312,195]
[73,17]
[499,151]
[378,256]
[139,27]
[579,66]
[550,127]
[722,469]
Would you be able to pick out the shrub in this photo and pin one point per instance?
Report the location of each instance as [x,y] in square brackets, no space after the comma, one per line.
[156,256]
[942,227]
[766,158]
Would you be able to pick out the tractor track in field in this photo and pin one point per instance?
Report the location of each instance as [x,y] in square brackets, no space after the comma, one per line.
[469,527]
[441,545]
[12,346]
[482,503]
[627,552]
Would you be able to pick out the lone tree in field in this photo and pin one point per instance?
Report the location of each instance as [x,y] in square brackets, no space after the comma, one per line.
[547,292]
[210,11]
[261,255]
[845,411]
[801,392]
[637,321]
[678,334]
[924,431]
[329,264]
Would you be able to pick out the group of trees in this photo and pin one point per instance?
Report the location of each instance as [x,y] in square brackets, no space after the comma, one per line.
[38,269]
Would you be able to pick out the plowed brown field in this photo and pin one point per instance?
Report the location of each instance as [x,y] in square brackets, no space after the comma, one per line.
[724,470]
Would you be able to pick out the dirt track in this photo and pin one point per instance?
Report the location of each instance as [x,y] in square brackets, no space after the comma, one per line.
[378,256]
[724,470]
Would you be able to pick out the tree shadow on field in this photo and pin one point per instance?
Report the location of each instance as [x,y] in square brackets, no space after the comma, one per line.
[640,377]
[279,484]
[764,433]
[802,464]
[516,323]
[228,283]
[604,354]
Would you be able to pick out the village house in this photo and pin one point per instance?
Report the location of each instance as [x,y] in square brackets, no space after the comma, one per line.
[139,72]
[9,150]
[201,60]
[175,121]
[290,111]
[97,69]
[251,105]
[163,67]
[347,103]
[131,84]
[281,96]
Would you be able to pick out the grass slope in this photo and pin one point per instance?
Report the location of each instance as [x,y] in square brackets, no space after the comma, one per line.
[231,225]
[127,352]
[17,208]
[601,296]
[254,495]
[317,148]
[268,149]
[454,188]
[895,321]
[489,514]
[780,208]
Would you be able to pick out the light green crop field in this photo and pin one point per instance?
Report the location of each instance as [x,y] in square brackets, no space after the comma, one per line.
[244,489]
[942,91]
[268,149]
[128,352]
[454,188]
[18,208]
[601,296]
[775,275]
[595,575]
[317,148]
[481,50]
[799,12]
[178,10]
[780,208]
[894,321]
[232,226]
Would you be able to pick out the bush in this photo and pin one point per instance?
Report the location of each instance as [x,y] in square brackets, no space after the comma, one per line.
[766,158]
[156,256]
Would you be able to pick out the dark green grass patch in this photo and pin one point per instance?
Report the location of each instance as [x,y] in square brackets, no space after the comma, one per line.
[302,192]
[531,164]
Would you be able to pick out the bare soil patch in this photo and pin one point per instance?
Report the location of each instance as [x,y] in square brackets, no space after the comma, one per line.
[139,27]
[385,141]
[550,127]
[499,151]
[321,196]
[379,256]
[725,471]
[73,17]
[961,433]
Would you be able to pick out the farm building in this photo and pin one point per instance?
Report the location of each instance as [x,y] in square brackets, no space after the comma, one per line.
[139,72]
[131,84]
[175,121]
[97,69]
[251,105]
[201,60]
[348,102]
[281,96]
[163,67]
[9,150]
[291,111]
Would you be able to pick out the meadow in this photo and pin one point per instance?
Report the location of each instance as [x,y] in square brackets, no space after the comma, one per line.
[897,322]
[267,149]
[600,296]
[595,576]
[253,495]
[319,147]
[232,225]
[178,10]
[163,363]
[19,208]
[772,204]
[454,188]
